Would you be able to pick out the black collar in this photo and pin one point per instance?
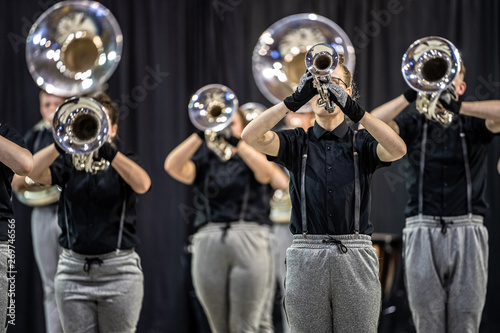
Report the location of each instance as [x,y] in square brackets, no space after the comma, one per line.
[323,134]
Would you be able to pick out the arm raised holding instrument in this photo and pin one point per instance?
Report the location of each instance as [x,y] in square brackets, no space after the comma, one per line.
[325,161]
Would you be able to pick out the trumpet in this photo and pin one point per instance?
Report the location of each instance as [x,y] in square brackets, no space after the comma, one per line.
[321,60]
[430,65]
[80,127]
[211,109]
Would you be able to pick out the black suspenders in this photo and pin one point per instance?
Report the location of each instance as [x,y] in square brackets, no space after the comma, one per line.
[120,231]
[357,188]
[422,168]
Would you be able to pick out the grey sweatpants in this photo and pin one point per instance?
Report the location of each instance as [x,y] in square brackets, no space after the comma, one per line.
[45,233]
[446,271]
[107,298]
[232,276]
[327,290]
[4,285]
[283,239]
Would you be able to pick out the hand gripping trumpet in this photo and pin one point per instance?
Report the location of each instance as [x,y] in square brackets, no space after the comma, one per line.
[321,60]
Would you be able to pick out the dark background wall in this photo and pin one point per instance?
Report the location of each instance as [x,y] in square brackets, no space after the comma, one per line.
[191,43]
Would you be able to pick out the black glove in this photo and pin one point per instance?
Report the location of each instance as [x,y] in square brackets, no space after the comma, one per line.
[350,108]
[232,140]
[108,152]
[410,95]
[304,92]
[59,149]
[449,101]
[201,134]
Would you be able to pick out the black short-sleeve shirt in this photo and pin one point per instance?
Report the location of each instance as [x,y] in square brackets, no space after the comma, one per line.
[228,191]
[6,175]
[93,204]
[444,182]
[329,184]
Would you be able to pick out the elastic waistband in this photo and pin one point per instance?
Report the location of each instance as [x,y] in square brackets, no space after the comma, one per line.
[109,255]
[220,226]
[320,241]
[437,221]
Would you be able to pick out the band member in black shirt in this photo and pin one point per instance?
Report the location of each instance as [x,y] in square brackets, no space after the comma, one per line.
[232,267]
[445,241]
[332,282]
[99,280]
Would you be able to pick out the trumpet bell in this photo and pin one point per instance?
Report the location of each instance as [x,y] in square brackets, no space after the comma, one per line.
[431,64]
[73,48]
[278,56]
[321,59]
[212,107]
[80,125]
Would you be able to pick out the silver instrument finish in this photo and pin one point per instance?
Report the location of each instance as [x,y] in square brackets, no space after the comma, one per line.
[278,56]
[73,48]
[211,109]
[429,66]
[321,60]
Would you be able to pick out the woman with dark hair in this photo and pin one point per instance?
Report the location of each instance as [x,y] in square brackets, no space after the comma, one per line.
[99,280]
[232,267]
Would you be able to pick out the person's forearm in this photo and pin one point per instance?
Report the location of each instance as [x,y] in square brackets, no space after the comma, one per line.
[280,179]
[390,110]
[19,184]
[42,161]
[482,109]
[132,173]
[178,162]
[182,153]
[263,169]
[15,157]
[391,144]
[258,133]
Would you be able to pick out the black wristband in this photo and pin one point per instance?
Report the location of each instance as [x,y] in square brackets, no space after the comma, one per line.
[410,95]
[233,141]
[291,104]
[353,110]
[201,134]
[59,149]
[108,152]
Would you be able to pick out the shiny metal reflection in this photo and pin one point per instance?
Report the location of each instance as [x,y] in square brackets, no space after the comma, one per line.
[73,47]
[429,66]
[278,56]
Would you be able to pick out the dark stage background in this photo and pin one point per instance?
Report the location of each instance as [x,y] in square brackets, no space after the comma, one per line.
[172,48]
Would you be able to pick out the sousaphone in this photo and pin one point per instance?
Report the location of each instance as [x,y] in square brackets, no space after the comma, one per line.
[278,57]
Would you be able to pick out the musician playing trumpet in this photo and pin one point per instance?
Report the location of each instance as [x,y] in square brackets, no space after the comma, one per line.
[445,242]
[232,265]
[99,280]
[332,282]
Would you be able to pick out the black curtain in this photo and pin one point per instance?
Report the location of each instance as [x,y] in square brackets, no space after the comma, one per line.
[173,48]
